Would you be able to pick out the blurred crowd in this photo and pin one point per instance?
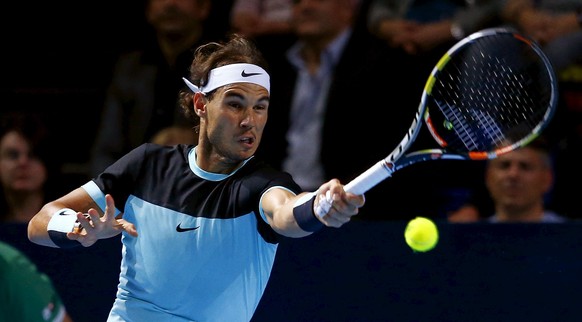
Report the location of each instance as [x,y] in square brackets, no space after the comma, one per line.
[346,80]
[101,101]
[117,87]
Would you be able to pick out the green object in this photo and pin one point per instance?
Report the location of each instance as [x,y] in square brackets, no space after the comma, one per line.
[26,295]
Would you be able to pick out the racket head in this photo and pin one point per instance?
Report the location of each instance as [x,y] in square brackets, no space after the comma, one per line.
[491,93]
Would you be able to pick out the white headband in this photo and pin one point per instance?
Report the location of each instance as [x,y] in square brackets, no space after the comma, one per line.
[234,73]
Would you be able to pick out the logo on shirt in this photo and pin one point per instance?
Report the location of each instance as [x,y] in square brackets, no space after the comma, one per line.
[181,230]
[245,74]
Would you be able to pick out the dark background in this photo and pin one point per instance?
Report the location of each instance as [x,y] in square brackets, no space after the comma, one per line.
[57,61]
[365,272]
[57,58]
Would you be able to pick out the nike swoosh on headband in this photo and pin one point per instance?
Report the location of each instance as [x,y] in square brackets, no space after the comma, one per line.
[245,74]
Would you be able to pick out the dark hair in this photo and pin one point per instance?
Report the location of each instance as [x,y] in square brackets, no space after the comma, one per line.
[541,143]
[30,126]
[215,54]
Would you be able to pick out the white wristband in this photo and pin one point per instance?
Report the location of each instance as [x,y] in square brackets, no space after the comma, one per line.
[63,221]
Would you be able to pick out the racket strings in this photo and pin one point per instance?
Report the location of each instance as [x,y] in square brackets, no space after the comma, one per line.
[490,95]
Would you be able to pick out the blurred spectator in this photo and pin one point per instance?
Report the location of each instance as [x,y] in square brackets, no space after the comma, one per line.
[426,29]
[29,176]
[252,18]
[143,94]
[337,88]
[26,165]
[28,173]
[421,26]
[519,184]
[555,24]
[26,294]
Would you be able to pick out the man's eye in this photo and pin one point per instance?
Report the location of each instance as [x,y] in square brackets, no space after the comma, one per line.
[235,104]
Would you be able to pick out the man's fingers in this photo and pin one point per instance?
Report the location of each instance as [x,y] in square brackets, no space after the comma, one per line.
[128,227]
[110,205]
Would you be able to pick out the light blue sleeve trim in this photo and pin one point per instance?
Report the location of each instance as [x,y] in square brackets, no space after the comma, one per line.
[261,201]
[97,195]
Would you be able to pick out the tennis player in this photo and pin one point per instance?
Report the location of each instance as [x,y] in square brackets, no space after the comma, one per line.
[200,223]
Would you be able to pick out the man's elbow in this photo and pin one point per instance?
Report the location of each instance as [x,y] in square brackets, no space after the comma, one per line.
[37,236]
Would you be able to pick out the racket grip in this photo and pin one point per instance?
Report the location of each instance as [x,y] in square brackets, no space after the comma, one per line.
[368,179]
[358,186]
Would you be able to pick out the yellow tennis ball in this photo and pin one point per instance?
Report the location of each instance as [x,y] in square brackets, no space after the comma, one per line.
[421,234]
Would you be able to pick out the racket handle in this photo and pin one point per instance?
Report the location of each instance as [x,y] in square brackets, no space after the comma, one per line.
[368,179]
[359,185]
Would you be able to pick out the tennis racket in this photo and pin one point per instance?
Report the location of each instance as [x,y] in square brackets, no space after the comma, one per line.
[491,93]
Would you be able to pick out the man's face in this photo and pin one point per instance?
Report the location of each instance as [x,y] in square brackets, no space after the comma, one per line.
[519,178]
[20,170]
[234,120]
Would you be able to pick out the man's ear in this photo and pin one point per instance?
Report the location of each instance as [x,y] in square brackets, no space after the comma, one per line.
[199,102]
